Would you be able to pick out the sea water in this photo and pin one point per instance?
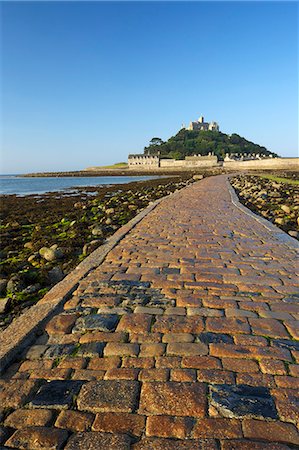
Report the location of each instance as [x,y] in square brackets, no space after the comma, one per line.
[13,184]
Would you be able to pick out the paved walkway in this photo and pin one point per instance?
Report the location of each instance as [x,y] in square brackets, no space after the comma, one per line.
[184,338]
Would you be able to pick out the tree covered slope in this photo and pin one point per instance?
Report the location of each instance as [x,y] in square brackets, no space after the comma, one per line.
[188,143]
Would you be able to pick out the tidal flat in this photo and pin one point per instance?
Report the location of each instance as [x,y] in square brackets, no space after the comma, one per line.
[43,237]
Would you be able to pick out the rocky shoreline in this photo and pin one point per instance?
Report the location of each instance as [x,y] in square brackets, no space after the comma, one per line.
[43,237]
[276,198]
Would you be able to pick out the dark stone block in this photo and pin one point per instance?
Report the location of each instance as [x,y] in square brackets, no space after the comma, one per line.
[96,322]
[56,394]
[243,401]
[214,338]
[169,270]
[90,350]
[4,433]
[58,350]
[286,343]
[98,441]
[109,396]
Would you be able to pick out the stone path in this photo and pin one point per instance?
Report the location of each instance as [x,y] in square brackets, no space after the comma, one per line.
[184,338]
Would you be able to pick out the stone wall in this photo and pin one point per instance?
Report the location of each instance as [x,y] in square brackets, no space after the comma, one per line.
[257,164]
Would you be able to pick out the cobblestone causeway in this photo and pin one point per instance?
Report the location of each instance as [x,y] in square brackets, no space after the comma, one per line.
[183,338]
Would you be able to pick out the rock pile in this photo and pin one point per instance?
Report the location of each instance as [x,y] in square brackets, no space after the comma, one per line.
[275,201]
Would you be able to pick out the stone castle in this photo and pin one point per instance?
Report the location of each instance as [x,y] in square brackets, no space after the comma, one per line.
[201,125]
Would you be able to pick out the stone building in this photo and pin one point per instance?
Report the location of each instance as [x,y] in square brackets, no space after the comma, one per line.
[149,161]
[201,125]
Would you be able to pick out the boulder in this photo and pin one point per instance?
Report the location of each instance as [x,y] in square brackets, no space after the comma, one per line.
[294,233]
[15,284]
[55,275]
[286,209]
[3,284]
[4,304]
[91,246]
[97,231]
[51,254]
[29,245]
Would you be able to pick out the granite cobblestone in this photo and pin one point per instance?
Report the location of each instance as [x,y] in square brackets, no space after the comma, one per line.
[184,337]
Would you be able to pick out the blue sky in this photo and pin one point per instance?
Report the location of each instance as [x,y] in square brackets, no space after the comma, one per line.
[86,83]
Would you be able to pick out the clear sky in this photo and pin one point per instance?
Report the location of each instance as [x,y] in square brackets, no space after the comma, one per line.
[86,83]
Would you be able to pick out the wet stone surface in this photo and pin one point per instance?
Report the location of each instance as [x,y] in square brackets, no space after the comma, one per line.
[90,350]
[214,338]
[115,396]
[56,394]
[96,322]
[243,401]
[59,350]
[285,343]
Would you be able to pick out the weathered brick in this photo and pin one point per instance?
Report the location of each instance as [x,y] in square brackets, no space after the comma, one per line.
[121,349]
[28,366]
[187,349]
[286,401]
[175,444]
[36,351]
[205,312]
[215,376]
[168,362]
[246,339]
[88,375]
[22,418]
[16,393]
[61,324]
[51,374]
[74,420]
[154,375]
[121,374]
[37,438]
[227,325]
[287,382]
[240,365]
[183,375]
[72,363]
[256,379]
[178,324]
[251,445]
[181,399]
[135,323]
[108,396]
[235,312]
[294,370]
[217,428]
[104,363]
[103,336]
[177,337]
[201,362]
[268,327]
[271,431]
[98,441]
[138,363]
[145,338]
[293,327]
[272,367]
[119,423]
[152,350]
[237,351]
[170,427]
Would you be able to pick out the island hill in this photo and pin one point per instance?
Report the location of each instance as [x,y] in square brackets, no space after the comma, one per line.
[200,144]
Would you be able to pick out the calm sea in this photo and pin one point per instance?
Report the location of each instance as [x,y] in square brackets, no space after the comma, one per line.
[12,184]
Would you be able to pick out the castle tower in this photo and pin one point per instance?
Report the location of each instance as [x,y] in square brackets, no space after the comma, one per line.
[201,119]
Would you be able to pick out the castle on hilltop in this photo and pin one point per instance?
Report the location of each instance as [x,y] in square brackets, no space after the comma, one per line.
[201,125]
